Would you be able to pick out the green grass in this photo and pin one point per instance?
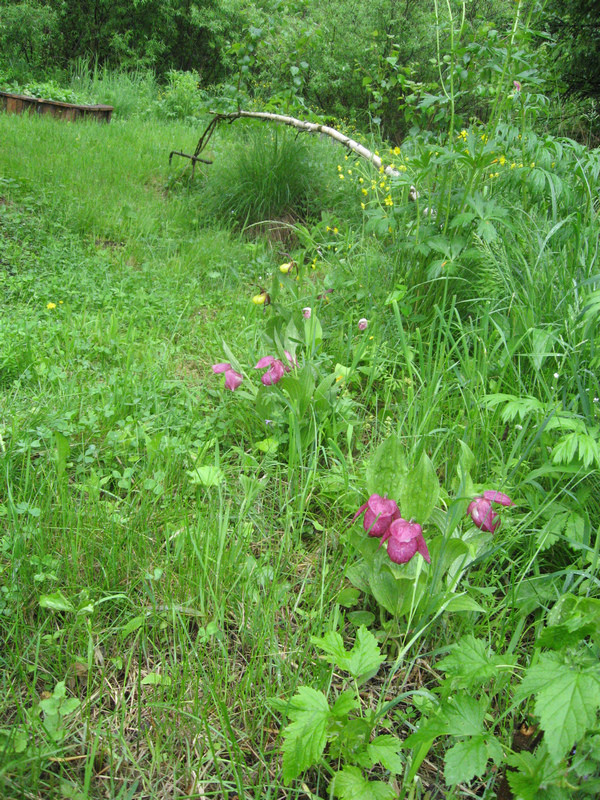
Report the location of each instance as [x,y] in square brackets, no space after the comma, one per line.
[175,611]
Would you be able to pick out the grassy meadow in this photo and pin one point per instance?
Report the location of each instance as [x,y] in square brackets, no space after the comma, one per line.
[180,575]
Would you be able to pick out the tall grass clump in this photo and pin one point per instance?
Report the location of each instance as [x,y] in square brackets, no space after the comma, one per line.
[265,174]
[130,92]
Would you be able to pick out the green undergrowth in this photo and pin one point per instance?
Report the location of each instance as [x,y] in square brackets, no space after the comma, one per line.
[173,555]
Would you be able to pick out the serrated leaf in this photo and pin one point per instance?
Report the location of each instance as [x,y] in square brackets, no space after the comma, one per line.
[56,602]
[387,468]
[465,716]
[364,658]
[305,737]
[384,750]
[471,662]
[566,702]
[420,491]
[69,706]
[534,770]
[350,784]
[465,760]
[345,703]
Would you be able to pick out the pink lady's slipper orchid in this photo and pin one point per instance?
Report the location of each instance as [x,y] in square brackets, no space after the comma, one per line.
[232,378]
[404,540]
[307,312]
[277,368]
[517,86]
[363,324]
[379,513]
[482,513]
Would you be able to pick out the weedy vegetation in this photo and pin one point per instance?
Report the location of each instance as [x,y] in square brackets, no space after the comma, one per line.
[300,461]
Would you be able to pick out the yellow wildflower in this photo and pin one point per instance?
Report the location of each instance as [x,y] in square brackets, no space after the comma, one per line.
[50,305]
[388,200]
[365,192]
[259,299]
[285,268]
[396,151]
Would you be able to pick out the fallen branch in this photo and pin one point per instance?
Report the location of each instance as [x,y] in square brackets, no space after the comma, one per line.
[301,125]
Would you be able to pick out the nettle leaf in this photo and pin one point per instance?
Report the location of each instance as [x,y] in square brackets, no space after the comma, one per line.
[304,739]
[345,703]
[465,716]
[387,468]
[420,491]
[350,784]
[384,750]
[566,701]
[471,662]
[363,660]
[465,760]
[534,771]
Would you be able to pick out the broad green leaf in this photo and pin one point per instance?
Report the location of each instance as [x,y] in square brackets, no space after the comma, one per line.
[534,771]
[13,740]
[471,662]
[156,679]
[428,730]
[387,469]
[465,760]
[305,737]
[462,602]
[56,602]
[364,658]
[69,706]
[466,461]
[420,491]
[268,445]
[345,703]
[348,597]
[350,784]
[133,625]
[566,701]
[390,592]
[206,476]
[465,716]
[384,750]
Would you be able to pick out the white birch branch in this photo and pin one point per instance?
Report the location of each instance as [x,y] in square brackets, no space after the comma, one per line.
[315,127]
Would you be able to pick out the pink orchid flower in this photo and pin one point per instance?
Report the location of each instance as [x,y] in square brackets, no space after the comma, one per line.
[379,513]
[232,378]
[482,513]
[404,540]
[517,86]
[277,368]
[363,324]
